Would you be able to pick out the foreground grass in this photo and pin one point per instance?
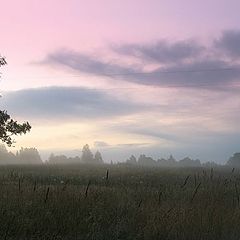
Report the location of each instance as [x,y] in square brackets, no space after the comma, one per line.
[81,202]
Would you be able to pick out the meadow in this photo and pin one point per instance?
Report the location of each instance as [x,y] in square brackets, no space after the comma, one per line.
[119,202]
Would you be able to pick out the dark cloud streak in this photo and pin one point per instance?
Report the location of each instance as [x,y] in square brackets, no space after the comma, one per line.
[84,63]
[66,102]
[162,51]
[207,74]
[229,42]
[183,64]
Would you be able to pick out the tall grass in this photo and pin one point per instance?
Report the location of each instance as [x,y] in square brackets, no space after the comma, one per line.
[118,202]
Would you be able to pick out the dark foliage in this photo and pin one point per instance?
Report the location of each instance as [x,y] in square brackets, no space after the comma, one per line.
[234,160]
[8,126]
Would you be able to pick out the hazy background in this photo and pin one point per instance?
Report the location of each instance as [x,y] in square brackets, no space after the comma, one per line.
[73,72]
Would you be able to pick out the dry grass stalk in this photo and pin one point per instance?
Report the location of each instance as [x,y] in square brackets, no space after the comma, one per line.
[195,192]
[237,194]
[87,188]
[159,197]
[46,196]
[107,175]
[19,185]
[35,186]
[211,174]
[185,181]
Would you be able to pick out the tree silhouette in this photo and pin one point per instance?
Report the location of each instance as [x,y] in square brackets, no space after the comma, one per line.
[98,157]
[59,159]
[132,160]
[2,61]
[29,156]
[6,157]
[234,160]
[146,161]
[87,156]
[8,126]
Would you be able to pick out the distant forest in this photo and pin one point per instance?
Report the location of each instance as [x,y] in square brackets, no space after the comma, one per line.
[32,156]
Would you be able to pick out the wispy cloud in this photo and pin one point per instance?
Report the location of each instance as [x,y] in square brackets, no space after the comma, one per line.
[84,63]
[161,51]
[229,42]
[180,64]
[101,144]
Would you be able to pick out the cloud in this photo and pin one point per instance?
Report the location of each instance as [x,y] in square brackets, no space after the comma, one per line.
[66,102]
[84,63]
[180,64]
[101,144]
[132,145]
[229,42]
[162,51]
[205,74]
[150,131]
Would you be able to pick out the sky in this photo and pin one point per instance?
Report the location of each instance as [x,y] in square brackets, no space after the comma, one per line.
[157,77]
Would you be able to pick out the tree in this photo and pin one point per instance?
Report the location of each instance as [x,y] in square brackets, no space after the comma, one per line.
[171,161]
[146,161]
[2,61]
[74,160]
[59,159]
[6,157]
[98,158]
[188,162]
[87,156]
[8,126]
[132,160]
[29,156]
[234,160]
[162,162]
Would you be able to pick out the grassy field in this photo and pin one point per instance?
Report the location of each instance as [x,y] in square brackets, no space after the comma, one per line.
[86,202]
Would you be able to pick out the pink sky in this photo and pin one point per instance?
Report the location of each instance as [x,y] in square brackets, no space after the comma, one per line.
[30,27]
[31,30]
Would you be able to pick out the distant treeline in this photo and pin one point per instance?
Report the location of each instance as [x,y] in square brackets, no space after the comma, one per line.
[23,156]
[32,156]
[170,162]
[143,160]
[87,157]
